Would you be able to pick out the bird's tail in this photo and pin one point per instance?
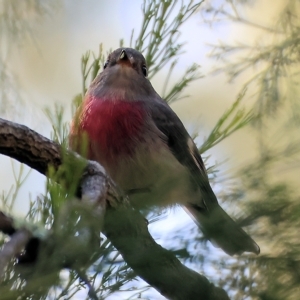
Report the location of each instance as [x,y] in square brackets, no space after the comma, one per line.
[222,231]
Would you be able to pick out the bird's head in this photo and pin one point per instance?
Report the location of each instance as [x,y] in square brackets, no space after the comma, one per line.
[126,60]
[124,77]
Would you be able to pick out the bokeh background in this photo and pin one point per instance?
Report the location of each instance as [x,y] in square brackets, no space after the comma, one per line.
[43,67]
[40,66]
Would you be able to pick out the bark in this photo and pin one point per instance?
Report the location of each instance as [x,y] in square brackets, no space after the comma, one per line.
[28,147]
[124,226]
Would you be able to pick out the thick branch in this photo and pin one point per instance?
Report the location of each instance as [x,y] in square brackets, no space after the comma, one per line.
[129,233]
[124,226]
[28,147]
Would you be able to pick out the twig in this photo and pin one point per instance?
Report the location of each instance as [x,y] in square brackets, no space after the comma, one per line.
[13,247]
[92,293]
[6,224]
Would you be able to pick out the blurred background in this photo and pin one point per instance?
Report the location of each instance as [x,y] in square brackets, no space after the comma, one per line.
[242,47]
[40,66]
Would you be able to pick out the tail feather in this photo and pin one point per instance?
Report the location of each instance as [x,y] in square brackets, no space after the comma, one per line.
[222,231]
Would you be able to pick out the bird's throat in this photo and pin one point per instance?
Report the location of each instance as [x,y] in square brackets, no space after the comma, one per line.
[113,127]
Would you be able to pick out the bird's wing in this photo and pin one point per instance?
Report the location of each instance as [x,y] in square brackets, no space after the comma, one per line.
[211,218]
[182,146]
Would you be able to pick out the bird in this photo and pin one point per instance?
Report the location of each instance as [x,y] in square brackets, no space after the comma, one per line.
[143,145]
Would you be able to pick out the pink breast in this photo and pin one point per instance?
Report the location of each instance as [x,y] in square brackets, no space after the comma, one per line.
[114,127]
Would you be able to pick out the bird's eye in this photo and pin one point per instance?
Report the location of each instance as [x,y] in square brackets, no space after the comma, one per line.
[106,64]
[144,69]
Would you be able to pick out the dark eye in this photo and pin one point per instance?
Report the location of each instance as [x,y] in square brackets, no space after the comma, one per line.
[144,69]
[106,64]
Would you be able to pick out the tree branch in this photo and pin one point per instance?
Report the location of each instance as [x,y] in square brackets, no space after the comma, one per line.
[28,147]
[13,248]
[124,226]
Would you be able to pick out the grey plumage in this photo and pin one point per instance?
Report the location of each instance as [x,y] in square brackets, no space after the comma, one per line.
[164,164]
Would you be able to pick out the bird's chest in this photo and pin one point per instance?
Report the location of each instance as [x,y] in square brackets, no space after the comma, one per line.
[114,128]
[134,153]
[119,137]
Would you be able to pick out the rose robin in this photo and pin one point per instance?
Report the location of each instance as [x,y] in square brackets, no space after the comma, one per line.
[146,150]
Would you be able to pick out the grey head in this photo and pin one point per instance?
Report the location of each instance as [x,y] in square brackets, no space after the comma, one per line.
[124,77]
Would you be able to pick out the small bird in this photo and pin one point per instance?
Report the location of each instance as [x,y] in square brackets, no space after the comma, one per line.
[140,141]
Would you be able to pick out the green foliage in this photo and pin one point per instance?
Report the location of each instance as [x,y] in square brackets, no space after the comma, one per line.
[8,199]
[232,120]
[91,70]
[274,56]
[267,189]
[159,34]
[60,128]
[158,40]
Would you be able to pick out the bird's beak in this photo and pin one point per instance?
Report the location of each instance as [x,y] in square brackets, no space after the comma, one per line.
[125,59]
[123,55]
